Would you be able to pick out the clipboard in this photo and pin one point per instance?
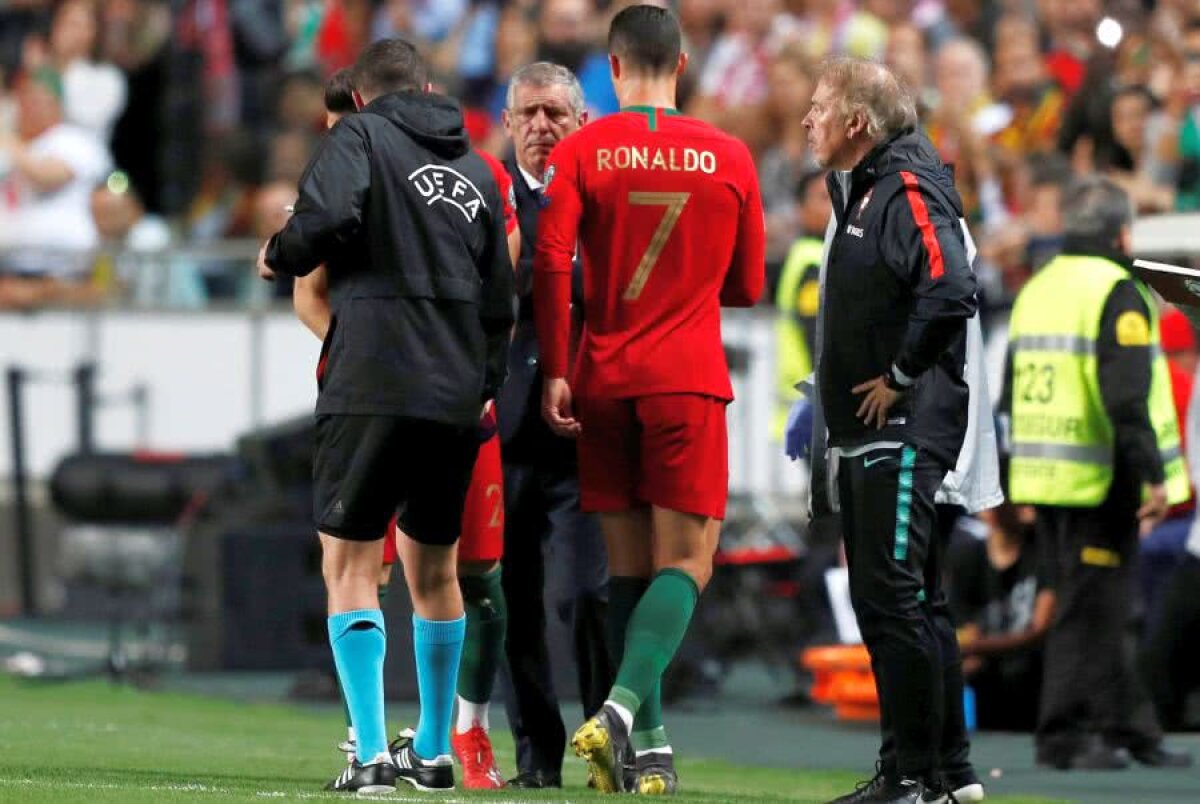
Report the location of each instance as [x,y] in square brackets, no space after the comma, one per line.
[1175,283]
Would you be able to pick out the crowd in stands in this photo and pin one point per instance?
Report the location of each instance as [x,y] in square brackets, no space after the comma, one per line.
[128,125]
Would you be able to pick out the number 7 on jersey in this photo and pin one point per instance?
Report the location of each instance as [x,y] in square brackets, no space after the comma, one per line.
[674,202]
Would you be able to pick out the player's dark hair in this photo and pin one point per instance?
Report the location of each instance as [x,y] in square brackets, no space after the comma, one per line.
[339,92]
[390,65]
[646,38]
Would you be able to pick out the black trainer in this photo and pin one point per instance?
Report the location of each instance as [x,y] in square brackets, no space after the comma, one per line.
[379,776]
[885,789]
[656,774]
[602,741]
[863,791]
[964,787]
[426,775]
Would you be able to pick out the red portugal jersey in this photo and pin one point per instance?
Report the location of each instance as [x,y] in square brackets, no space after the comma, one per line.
[507,194]
[667,213]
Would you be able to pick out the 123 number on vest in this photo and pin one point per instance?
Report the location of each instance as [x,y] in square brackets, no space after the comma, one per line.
[1035,383]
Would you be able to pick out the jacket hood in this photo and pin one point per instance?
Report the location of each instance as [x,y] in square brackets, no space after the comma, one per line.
[909,151]
[434,122]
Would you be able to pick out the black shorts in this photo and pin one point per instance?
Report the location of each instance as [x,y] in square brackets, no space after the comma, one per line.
[366,468]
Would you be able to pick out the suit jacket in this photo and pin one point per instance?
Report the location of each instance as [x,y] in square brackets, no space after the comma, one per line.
[524,435]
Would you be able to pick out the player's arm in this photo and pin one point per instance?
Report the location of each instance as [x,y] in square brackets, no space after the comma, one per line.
[922,243]
[508,203]
[558,231]
[310,300]
[748,272]
[330,203]
[496,314]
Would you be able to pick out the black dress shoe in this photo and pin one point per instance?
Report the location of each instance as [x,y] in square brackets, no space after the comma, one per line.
[1159,756]
[536,780]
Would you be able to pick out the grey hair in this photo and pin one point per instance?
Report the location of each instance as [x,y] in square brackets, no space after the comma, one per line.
[1095,208]
[547,74]
[872,90]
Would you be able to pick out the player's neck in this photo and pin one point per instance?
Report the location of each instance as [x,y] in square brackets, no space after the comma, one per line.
[656,92]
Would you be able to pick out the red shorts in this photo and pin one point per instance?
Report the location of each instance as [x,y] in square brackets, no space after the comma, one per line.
[668,450]
[482,537]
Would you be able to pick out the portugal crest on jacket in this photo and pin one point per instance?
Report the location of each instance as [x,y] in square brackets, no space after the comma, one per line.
[445,184]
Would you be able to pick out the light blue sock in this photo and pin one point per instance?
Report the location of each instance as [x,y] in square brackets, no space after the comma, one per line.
[359,642]
[438,648]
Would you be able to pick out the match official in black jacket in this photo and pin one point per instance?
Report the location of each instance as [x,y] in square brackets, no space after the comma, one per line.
[551,548]
[410,224]
[898,293]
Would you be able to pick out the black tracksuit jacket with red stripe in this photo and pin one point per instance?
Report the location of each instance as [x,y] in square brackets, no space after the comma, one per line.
[898,291]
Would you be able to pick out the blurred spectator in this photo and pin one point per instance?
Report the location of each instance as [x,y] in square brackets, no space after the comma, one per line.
[1003,603]
[1021,81]
[568,35]
[1136,127]
[1179,146]
[905,56]
[301,103]
[516,45]
[838,27]
[736,75]
[51,167]
[1071,29]
[785,159]
[290,152]
[136,38]
[133,250]
[961,123]
[93,92]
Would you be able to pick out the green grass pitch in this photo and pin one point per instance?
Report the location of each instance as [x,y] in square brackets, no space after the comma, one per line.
[91,742]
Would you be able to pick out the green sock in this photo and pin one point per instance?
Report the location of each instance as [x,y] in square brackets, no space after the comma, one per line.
[624,592]
[653,635]
[483,648]
[383,590]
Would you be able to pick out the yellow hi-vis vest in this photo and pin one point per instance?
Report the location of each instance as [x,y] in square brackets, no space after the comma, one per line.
[1062,439]
[796,299]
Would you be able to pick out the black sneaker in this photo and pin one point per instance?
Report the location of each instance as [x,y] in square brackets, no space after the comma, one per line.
[602,741]
[865,789]
[379,776]
[656,774]
[964,787]
[427,775]
[905,791]
[882,789]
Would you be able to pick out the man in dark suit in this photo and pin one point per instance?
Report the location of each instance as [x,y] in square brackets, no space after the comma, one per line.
[543,524]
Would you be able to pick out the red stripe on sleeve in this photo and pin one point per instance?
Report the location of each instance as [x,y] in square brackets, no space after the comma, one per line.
[921,216]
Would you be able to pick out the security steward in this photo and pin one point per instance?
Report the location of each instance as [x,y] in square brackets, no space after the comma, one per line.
[1095,447]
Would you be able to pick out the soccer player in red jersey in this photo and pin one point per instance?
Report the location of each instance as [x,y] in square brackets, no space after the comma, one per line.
[667,212]
[481,545]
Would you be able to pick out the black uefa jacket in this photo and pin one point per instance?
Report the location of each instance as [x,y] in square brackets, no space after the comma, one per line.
[410,224]
[898,293]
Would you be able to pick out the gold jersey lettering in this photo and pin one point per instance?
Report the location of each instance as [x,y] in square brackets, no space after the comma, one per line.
[673,160]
